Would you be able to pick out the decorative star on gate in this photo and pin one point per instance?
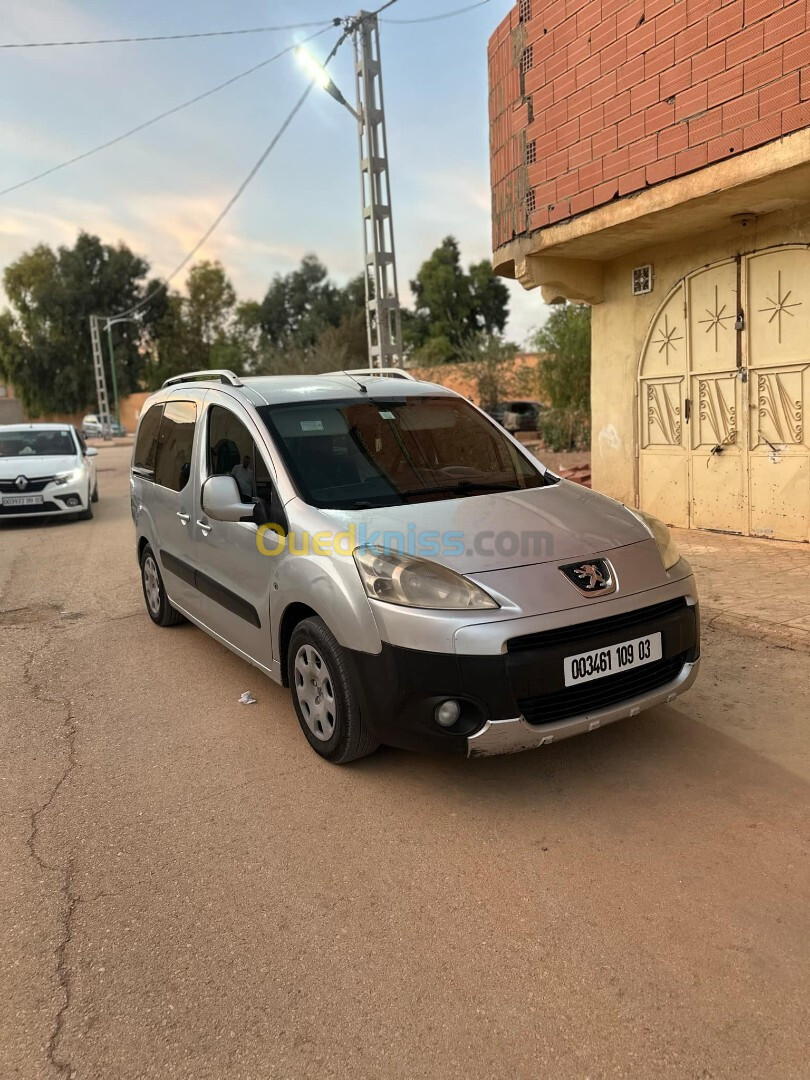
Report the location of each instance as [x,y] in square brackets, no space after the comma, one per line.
[780,305]
[668,338]
[716,318]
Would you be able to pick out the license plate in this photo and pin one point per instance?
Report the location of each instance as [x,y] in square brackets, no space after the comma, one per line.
[614,658]
[21,500]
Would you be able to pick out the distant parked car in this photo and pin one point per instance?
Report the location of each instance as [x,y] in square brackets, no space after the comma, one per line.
[45,469]
[517,415]
[92,428]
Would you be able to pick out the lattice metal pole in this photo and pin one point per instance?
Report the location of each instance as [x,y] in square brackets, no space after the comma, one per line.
[101,378]
[383,314]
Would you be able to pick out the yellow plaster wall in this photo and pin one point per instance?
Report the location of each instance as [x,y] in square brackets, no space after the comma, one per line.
[621,323]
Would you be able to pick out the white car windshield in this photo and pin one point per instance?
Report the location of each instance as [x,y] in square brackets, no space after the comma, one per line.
[25,444]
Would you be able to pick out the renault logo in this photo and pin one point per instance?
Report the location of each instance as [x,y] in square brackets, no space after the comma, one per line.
[21,483]
[595,576]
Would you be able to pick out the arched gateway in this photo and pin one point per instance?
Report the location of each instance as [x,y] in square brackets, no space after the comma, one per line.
[723,385]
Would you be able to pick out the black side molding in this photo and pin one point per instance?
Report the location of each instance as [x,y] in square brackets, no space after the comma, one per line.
[226,598]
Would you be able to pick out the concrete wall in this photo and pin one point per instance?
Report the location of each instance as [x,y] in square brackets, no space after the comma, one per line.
[621,323]
[592,100]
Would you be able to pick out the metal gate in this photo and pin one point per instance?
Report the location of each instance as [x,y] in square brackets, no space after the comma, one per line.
[723,383]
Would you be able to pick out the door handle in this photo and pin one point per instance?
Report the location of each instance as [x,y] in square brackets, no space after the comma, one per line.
[204,529]
[184,517]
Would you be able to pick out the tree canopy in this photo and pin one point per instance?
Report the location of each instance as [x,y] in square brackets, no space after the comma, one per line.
[452,306]
[565,374]
[305,322]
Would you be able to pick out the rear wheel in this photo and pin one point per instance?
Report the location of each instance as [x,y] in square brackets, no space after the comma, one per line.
[324,698]
[158,604]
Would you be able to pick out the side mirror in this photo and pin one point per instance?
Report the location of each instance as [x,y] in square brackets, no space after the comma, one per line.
[91,451]
[222,501]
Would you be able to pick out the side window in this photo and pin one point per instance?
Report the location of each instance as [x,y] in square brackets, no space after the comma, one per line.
[145,454]
[232,452]
[175,442]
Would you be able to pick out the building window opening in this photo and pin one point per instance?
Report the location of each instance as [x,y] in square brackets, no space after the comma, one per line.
[531,152]
[531,201]
[527,59]
[525,10]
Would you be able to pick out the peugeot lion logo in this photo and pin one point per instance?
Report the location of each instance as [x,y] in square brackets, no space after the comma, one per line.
[21,483]
[591,577]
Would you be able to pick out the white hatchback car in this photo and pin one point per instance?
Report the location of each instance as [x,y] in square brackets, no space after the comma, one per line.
[46,470]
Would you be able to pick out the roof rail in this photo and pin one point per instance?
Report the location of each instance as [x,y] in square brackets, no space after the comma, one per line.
[226,377]
[386,372]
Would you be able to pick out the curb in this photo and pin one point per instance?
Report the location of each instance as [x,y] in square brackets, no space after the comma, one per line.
[785,637]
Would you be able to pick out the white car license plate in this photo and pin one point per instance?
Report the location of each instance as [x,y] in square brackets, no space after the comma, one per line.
[601,662]
[21,500]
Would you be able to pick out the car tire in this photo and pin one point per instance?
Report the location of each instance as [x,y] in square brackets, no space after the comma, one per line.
[94,496]
[328,710]
[160,608]
[86,515]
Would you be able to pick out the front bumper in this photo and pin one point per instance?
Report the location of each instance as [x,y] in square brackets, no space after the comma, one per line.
[512,736]
[56,500]
[516,699]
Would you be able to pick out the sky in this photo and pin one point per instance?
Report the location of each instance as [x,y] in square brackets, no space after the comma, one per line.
[159,190]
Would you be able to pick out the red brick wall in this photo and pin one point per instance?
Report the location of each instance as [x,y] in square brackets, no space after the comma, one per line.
[622,94]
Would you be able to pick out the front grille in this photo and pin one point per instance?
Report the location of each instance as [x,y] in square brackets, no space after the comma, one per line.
[565,634]
[601,693]
[43,508]
[33,486]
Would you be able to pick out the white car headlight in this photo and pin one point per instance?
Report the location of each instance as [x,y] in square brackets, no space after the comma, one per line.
[413,582]
[69,477]
[662,536]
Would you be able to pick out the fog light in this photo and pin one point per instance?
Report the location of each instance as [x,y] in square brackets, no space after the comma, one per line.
[447,713]
[73,500]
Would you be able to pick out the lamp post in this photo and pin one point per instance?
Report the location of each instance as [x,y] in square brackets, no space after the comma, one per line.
[383,313]
[110,324]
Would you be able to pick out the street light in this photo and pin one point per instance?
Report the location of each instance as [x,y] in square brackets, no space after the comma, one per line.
[110,324]
[322,78]
[383,314]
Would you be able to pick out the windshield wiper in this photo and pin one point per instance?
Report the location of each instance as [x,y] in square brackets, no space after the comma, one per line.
[461,487]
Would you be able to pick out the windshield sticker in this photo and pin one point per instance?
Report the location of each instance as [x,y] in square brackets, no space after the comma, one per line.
[386,415]
[312,425]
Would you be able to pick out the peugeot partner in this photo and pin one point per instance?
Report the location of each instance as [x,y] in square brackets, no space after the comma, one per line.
[415,577]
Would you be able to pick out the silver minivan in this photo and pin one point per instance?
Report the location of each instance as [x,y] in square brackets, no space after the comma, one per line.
[398,560]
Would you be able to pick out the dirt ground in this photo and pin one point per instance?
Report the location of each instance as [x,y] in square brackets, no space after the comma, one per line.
[187,891]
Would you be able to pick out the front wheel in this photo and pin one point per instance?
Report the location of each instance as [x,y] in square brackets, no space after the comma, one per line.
[160,609]
[324,698]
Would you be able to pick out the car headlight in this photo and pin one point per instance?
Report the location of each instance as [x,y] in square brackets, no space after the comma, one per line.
[662,536]
[413,582]
[68,477]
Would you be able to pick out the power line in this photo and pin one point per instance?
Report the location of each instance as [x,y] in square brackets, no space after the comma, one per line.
[436,18]
[233,199]
[160,116]
[168,37]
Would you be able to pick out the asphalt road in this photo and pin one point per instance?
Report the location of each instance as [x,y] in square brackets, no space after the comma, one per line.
[186,890]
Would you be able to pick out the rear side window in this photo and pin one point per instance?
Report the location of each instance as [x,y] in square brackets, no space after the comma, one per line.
[175,442]
[145,454]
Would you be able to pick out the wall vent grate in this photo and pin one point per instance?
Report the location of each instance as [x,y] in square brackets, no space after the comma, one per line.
[642,280]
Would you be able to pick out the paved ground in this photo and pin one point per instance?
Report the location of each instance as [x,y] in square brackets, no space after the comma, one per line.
[187,891]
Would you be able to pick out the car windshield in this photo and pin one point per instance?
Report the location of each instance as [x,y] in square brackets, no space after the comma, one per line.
[366,453]
[25,444]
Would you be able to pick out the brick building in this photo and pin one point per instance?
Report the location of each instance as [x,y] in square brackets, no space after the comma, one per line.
[652,158]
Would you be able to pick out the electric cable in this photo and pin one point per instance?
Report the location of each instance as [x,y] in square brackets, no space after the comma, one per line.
[436,18]
[167,37]
[233,199]
[160,116]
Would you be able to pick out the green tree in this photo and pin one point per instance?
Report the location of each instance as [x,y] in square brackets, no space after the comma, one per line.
[45,336]
[198,331]
[488,358]
[565,374]
[453,306]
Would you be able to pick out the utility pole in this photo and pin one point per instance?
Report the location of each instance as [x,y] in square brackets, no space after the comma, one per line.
[101,378]
[383,313]
[112,369]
